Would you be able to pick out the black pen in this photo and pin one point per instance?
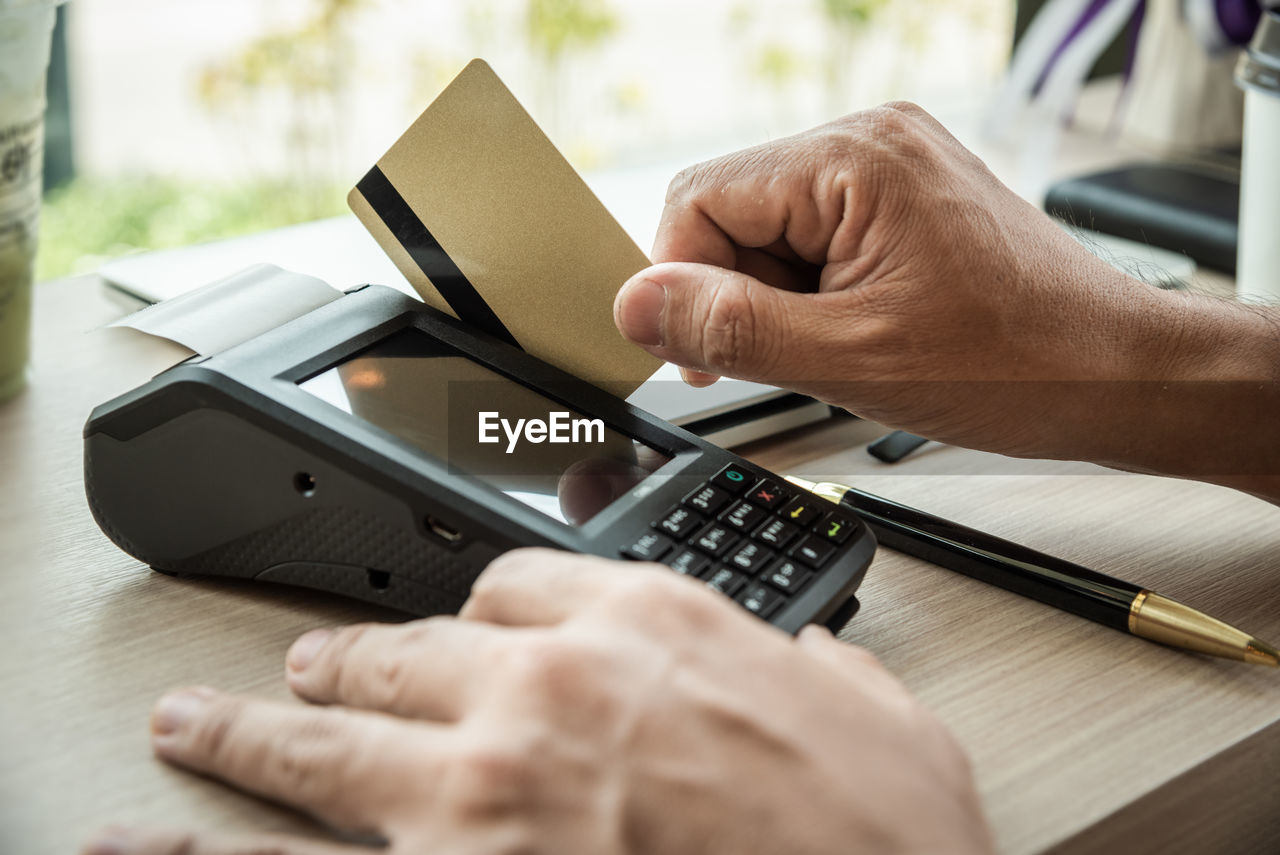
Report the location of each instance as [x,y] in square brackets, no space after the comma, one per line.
[1111,602]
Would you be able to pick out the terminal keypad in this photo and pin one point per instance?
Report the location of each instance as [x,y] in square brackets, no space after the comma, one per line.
[743,516]
[749,537]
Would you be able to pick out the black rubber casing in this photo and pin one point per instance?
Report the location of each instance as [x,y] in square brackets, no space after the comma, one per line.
[223,466]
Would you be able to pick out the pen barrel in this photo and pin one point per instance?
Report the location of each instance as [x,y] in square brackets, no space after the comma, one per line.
[996,561]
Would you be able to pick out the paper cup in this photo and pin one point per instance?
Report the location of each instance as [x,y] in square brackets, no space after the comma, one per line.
[1258,255]
[25,30]
[1257,269]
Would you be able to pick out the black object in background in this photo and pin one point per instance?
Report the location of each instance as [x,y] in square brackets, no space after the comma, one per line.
[892,447]
[1165,205]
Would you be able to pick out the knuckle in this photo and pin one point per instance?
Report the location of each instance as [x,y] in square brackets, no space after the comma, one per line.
[493,767]
[505,563]
[486,592]
[835,156]
[337,655]
[422,632]
[484,781]
[489,585]
[909,109]
[384,684]
[500,579]
[213,734]
[711,176]
[681,185]
[387,680]
[511,562]
[347,638]
[898,126]
[645,590]
[543,666]
[663,599]
[730,328]
[887,119]
[303,759]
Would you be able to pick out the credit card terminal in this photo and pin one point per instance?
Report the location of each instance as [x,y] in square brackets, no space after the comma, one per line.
[382,450]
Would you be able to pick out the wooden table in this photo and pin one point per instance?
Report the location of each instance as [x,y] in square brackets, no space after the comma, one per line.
[1083,739]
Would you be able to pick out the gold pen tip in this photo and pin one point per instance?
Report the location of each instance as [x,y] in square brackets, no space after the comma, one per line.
[1261,653]
[828,490]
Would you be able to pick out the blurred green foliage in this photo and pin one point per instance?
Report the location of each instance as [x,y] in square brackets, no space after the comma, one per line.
[93,219]
[554,31]
[556,27]
[850,21]
[88,221]
[778,65]
[854,14]
[288,82]
[306,60]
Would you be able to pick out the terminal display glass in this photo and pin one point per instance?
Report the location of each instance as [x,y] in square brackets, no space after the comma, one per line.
[486,426]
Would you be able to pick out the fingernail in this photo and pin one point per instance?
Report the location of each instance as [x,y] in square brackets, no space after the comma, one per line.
[112,840]
[640,311]
[174,710]
[304,650]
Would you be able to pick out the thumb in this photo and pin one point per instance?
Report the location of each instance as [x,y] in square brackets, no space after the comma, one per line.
[713,320]
[851,660]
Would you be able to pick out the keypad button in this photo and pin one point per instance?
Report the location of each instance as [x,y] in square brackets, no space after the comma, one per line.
[734,478]
[742,516]
[689,563]
[715,539]
[760,600]
[834,528]
[707,499]
[813,550]
[750,557]
[788,576]
[726,581]
[679,521]
[776,533]
[801,511]
[649,546]
[768,494]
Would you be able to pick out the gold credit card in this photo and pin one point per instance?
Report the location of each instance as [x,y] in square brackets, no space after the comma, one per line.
[490,223]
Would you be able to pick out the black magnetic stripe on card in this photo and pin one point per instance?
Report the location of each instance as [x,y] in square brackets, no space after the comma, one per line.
[430,257]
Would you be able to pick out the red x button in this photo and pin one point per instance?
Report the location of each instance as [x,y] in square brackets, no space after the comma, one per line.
[768,494]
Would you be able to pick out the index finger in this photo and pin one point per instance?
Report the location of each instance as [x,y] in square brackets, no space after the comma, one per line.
[344,766]
[782,198]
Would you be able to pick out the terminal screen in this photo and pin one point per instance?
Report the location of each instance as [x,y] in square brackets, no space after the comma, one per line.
[487,426]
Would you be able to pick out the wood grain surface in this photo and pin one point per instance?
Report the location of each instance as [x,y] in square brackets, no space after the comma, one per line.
[1083,739]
